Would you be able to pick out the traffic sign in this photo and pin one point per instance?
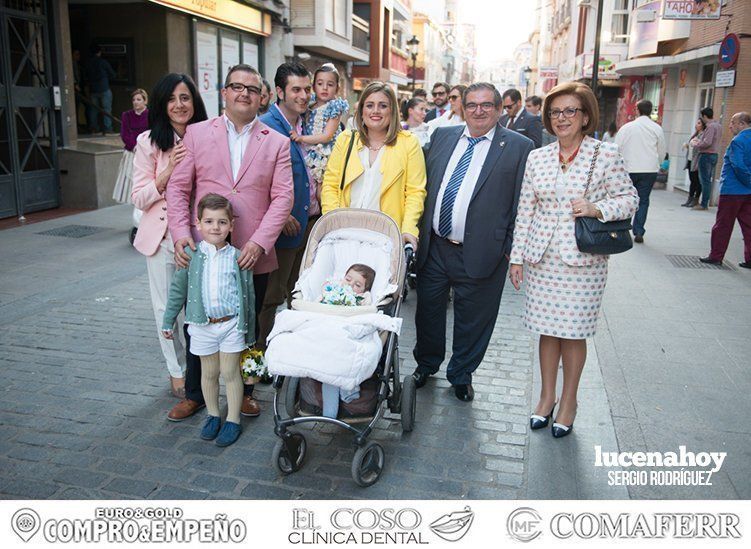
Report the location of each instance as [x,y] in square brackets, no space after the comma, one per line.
[729,51]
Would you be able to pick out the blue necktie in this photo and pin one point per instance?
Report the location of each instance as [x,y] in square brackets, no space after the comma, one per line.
[452,188]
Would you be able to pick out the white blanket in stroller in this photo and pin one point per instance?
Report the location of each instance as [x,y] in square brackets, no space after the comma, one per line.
[341,351]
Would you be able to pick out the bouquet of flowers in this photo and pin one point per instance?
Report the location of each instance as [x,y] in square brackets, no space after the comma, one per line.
[252,366]
[336,292]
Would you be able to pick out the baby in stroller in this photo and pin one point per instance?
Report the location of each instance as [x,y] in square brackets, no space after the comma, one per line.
[354,289]
[337,359]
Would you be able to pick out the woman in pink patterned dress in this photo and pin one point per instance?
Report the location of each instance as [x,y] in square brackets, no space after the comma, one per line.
[565,286]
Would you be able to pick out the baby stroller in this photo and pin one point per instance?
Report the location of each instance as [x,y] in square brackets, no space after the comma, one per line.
[338,239]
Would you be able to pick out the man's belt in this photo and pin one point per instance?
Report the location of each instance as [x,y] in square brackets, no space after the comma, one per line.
[223,319]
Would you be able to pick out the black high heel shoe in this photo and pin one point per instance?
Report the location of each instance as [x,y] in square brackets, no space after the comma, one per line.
[539,422]
[560,430]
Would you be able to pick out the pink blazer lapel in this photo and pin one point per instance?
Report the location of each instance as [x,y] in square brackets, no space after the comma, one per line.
[255,143]
[219,134]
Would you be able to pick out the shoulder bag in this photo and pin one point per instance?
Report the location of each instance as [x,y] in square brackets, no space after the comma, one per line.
[597,237]
[346,159]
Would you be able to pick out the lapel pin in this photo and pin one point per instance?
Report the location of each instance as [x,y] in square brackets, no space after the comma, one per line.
[501,144]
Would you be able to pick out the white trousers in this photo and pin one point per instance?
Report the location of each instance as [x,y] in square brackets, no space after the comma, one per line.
[161,268]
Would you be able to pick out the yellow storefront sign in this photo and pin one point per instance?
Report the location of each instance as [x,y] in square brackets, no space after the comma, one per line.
[227,12]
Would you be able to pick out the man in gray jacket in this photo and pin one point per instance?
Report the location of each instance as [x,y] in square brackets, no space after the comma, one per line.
[475,175]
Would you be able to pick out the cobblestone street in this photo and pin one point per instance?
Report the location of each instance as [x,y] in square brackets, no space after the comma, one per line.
[85,394]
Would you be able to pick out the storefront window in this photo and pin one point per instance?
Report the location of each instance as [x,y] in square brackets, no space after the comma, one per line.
[218,49]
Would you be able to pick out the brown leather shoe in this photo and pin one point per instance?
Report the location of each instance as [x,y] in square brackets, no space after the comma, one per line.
[250,407]
[184,409]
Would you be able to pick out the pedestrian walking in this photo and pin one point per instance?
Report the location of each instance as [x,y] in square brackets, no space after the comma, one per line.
[220,313]
[132,124]
[474,179]
[239,157]
[517,118]
[293,90]
[98,75]
[176,104]
[692,165]
[564,287]
[642,145]
[735,193]
[609,136]
[708,146]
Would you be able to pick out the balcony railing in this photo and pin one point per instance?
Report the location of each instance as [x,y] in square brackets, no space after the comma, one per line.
[360,33]
[399,61]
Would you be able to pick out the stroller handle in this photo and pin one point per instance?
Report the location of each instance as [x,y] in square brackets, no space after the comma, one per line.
[409,252]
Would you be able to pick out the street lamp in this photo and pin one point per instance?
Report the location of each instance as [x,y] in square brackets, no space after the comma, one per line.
[527,73]
[412,44]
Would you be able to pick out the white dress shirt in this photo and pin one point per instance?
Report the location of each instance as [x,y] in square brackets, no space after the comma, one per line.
[366,189]
[218,285]
[238,142]
[642,145]
[463,197]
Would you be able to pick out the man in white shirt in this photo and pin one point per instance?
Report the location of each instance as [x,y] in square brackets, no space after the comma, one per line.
[474,179]
[642,145]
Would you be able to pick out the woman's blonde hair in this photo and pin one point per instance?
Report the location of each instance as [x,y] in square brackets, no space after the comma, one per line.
[585,96]
[142,93]
[394,122]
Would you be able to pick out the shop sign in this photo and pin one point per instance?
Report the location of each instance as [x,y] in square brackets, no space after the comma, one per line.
[692,9]
[227,12]
[725,79]
[644,30]
[548,72]
[605,69]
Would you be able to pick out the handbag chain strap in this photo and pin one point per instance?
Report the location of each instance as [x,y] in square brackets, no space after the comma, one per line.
[592,167]
[346,160]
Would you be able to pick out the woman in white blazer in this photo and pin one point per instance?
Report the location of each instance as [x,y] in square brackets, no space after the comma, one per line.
[564,286]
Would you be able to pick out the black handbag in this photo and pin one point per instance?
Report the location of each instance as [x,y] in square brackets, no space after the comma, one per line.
[601,237]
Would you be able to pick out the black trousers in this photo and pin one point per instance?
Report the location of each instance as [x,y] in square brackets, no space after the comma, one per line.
[694,190]
[193,362]
[476,302]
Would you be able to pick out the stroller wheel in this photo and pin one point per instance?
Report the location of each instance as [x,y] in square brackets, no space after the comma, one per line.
[408,403]
[289,453]
[367,465]
[290,395]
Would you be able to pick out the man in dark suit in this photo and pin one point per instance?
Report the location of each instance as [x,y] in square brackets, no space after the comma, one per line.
[518,119]
[440,95]
[474,179]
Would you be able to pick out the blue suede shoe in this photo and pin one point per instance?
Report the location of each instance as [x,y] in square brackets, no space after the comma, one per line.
[229,434]
[211,428]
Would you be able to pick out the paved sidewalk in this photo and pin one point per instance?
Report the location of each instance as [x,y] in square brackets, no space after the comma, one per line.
[674,346]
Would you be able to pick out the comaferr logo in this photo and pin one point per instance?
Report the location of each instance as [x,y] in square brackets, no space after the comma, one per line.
[643,525]
[453,526]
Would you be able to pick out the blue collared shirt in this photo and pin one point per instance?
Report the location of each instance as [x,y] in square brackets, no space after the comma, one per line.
[219,285]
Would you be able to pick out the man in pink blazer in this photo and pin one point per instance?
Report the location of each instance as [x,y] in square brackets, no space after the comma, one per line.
[237,156]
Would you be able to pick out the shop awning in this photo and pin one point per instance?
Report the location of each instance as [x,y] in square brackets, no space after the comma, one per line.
[643,66]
